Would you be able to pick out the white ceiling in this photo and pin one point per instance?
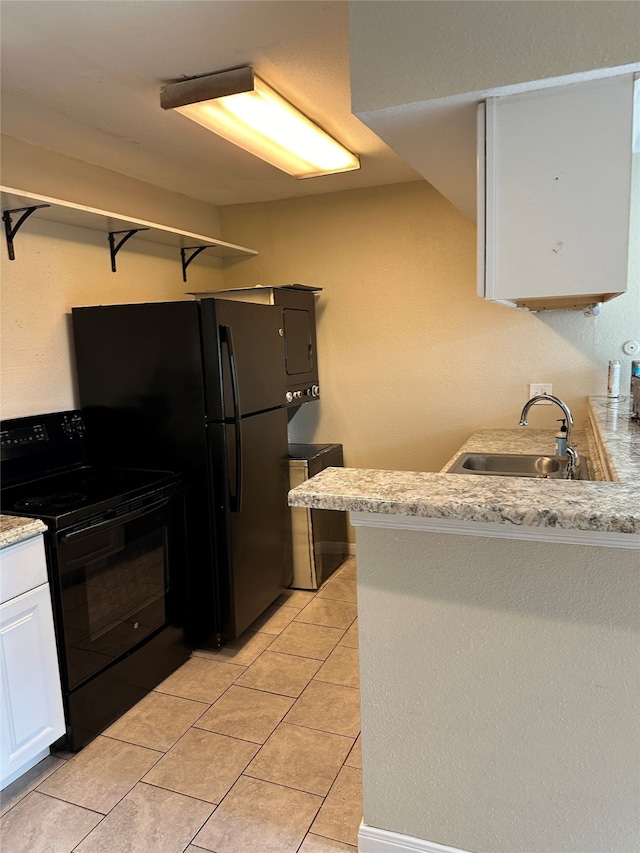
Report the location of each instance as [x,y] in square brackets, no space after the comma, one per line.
[82,78]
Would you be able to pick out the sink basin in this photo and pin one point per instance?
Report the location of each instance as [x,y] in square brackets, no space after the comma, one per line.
[516,465]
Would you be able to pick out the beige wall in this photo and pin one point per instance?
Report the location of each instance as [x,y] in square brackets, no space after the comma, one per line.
[58,267]
[411,360]
[499,692]
[406,52]
[43,172]
[419,69]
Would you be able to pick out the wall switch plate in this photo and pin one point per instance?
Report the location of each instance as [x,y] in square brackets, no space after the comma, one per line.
[541,388]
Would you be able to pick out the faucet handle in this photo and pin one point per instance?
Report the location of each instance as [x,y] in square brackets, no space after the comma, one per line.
[573,462]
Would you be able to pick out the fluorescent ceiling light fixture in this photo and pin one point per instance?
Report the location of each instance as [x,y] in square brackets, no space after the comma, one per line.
[243,109]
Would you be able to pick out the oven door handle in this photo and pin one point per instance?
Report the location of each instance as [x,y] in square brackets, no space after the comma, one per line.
[76,535]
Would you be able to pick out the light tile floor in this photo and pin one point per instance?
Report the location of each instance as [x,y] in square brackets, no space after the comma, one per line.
[254,748]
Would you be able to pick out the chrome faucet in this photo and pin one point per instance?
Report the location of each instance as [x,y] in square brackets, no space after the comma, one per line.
[573,459]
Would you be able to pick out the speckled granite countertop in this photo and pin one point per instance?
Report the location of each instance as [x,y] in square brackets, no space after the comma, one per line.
[14,529]
[611,439]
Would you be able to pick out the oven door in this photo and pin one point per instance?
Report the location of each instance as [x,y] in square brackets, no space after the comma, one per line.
[114,586]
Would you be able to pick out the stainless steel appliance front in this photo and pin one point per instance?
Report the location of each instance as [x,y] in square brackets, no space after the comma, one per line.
[320,543]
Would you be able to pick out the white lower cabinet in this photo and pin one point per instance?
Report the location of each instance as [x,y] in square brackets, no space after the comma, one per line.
[31,712]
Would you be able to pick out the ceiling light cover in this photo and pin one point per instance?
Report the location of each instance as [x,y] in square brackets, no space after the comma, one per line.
[243,109]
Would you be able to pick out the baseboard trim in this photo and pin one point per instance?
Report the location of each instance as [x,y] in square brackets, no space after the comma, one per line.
[374,840]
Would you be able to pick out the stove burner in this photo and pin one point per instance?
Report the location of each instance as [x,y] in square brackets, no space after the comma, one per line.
[69,495]
[50,503]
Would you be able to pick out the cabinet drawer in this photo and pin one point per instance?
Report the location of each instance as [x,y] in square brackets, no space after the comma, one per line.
[22,567]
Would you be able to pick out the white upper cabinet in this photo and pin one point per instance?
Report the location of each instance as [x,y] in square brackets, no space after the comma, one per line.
[554,190]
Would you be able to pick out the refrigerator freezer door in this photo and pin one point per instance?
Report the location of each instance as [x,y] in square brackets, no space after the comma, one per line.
[140,381]
[255,555]
[244,356]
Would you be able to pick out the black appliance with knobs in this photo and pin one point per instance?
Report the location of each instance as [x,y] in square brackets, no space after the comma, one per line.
[298,305]
[197,387]
[115,550]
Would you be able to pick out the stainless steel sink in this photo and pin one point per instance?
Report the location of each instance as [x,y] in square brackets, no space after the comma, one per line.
[517,465]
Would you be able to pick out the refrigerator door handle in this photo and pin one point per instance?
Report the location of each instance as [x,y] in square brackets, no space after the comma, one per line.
[226,335]
[236,500]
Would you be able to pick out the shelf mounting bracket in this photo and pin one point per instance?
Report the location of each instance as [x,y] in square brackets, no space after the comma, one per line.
[195,251]
[114,249]
[11,230]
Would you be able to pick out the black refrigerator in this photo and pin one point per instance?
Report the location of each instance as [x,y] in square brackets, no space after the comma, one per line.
[199,388]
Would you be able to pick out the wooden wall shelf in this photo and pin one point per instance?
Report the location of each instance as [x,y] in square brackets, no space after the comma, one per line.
[16,202]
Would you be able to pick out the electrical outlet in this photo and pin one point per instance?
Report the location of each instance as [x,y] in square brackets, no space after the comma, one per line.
[541,388]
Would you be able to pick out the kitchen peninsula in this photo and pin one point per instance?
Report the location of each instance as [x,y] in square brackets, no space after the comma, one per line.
[499,652]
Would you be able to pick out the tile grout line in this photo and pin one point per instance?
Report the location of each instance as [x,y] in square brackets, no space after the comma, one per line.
[288,787]
[105,814]
[35,786]
[67,802]
[194,725]
[259,746]
[247,775]
[213,805]
[322,797]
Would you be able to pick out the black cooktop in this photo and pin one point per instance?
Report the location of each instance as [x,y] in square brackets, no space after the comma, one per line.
[68,496]
[46,470]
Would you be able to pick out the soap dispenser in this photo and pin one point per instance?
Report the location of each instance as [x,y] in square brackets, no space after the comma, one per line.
[561,438]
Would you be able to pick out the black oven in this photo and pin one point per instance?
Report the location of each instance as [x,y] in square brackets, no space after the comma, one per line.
[115,549]
[113,586]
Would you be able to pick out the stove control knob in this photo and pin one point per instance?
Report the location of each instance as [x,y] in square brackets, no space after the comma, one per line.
[297,394]
[289,397]
[315,390]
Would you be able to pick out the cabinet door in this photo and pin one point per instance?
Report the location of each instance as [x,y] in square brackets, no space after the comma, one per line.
[32,715]
[557,194]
